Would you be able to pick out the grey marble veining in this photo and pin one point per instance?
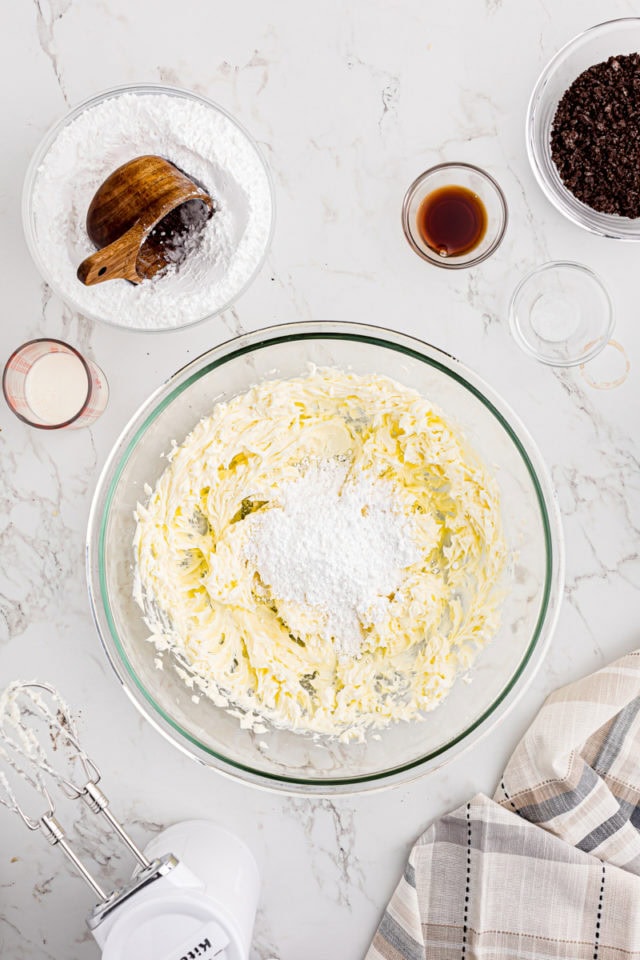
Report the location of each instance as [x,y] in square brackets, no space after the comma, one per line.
[349,103]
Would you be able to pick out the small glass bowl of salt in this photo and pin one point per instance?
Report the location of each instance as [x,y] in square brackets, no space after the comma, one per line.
[50,385]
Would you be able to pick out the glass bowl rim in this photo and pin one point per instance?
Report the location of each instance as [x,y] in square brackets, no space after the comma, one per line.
[447,263]
[43,147]
[560,197]
[379,337]
[522,341]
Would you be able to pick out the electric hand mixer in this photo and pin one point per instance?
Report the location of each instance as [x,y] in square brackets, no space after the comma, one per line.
[196,902]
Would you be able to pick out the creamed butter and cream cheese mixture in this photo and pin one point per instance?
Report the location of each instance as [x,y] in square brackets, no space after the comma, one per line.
[322,554]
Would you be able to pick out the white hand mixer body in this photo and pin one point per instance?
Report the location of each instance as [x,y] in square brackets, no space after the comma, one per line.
[195,892]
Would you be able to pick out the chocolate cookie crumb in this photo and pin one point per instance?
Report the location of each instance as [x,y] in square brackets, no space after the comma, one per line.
[595,137]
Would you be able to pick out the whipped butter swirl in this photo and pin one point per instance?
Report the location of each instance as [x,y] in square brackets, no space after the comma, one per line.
[281,659]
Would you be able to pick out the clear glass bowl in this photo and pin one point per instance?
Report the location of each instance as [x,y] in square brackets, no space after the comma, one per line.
[457,175]
[29,213]
[598,43]
[561,314]
[297,763]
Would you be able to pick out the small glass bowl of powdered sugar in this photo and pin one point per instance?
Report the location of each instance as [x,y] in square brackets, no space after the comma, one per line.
[200,138]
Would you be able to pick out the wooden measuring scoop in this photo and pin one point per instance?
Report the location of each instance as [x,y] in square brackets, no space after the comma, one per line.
[135,218]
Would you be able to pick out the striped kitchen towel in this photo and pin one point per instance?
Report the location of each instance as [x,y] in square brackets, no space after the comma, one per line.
[550,868]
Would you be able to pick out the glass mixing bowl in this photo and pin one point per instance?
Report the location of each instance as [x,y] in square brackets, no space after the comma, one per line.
[598,43]
[295,762]
[238,203]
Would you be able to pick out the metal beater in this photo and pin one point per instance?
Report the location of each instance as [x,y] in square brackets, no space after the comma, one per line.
[167,909]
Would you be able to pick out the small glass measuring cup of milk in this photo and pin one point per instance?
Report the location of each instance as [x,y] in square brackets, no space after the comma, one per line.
[50,385]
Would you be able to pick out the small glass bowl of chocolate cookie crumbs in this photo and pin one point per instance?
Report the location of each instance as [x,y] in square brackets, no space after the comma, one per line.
[583,129]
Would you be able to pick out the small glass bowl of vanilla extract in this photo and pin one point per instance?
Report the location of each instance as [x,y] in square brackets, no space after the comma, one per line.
[454,215]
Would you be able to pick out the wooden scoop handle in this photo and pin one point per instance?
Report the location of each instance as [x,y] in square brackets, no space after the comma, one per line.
[117,261]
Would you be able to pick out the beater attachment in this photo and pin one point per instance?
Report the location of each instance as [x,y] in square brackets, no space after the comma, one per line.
[33,715]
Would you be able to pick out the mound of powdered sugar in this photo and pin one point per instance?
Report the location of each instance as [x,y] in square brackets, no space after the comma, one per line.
[336,544]
[207,146]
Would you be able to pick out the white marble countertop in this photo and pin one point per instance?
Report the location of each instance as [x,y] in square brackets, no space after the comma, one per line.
[349,101]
